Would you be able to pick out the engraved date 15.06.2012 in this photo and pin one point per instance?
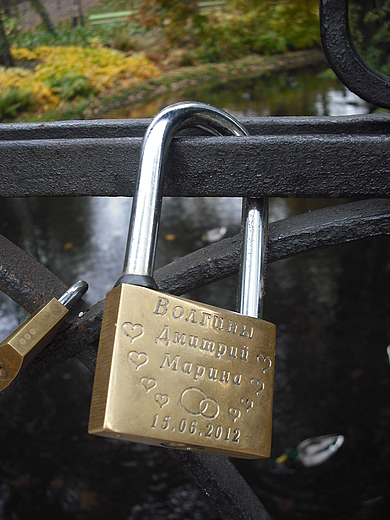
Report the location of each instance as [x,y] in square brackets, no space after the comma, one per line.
[217,432]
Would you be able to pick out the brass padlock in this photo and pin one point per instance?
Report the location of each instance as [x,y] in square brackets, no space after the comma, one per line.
[30,338]
[172,372]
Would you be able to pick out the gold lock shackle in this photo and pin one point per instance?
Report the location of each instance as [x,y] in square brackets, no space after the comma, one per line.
[30,338]
[146,210]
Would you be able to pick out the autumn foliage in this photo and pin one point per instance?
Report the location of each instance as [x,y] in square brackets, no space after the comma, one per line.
[66,72]
[177,18]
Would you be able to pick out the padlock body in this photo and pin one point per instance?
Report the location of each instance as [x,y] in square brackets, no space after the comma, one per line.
[176,373]
[29,339]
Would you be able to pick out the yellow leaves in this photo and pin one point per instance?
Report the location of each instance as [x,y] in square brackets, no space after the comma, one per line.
[95,42]
[15,78]
[67,72]
[44,96]
[23,54]
[13,74]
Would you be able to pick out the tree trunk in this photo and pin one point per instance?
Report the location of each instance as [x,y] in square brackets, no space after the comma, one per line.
[81,14]
[41,10]
[5,54]
[6,7]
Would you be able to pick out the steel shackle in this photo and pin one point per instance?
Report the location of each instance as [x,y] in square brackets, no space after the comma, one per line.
[146,210]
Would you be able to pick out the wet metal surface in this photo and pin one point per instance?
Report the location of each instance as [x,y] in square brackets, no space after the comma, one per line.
[337,165]
[344,59]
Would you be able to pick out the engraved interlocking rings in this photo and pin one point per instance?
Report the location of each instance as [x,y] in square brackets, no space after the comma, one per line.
[195,402]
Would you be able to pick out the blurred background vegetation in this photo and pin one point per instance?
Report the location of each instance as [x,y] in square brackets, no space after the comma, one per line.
[158,36]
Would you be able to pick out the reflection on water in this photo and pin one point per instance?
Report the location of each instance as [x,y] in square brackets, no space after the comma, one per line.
[339,103]
[287,94]
[332,311]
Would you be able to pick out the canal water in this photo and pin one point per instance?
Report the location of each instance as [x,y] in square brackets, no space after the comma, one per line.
[332,374]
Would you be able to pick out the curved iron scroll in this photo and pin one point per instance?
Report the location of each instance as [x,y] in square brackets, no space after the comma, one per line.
[344,59]
[29,283]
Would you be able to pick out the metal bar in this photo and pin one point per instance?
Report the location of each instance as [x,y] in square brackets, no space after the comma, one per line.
[255,166]
[251,280]
[24,279]
[146,208]
[344,59]
[73,294]
[374,124]
[108,16]
[315,230]
[223,485]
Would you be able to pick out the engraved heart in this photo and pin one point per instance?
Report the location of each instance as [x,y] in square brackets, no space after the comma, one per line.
[161,399]
[132,331]
[257,385]
[234,413]
[246,403]
[138,358]
[264,362]
[148,384]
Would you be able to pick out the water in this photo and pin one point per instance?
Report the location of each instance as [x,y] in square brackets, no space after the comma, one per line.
[332,373]
[286,94]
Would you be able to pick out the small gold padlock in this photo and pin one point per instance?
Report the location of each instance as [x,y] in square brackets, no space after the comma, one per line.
[170,371]
[30,338]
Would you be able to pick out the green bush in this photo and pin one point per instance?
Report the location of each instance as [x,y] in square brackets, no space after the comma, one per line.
[124,41]
[370,24]
[297,22]
[66,35]
[71,85]
[259,26]
[269,42]
[179,19]
[11,25]
[218,43]
[13,101]
[276,26]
